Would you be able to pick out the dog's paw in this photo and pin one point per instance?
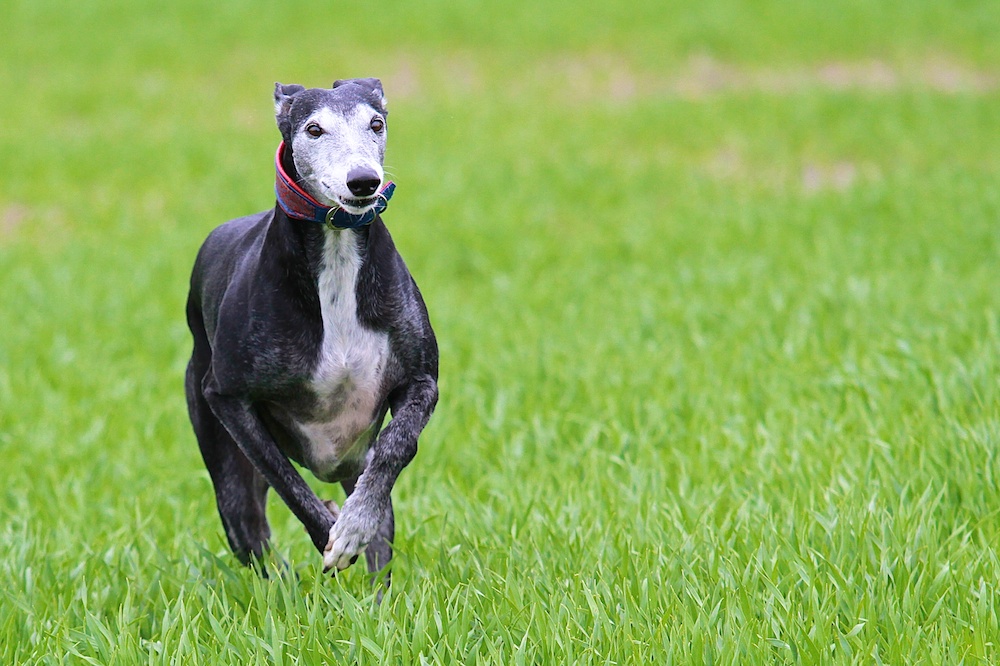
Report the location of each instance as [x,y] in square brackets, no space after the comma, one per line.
[351,534]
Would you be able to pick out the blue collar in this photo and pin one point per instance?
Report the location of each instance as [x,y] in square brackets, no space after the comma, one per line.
[298,204]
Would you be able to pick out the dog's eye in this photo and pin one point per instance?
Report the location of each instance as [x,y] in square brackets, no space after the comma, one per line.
[377,124]
[314,130]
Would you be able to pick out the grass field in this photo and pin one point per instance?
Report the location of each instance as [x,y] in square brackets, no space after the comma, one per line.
[715,286]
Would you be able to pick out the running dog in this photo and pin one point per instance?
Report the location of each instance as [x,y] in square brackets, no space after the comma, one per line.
[308,329]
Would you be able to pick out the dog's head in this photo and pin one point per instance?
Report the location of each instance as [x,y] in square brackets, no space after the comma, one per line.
[337,140]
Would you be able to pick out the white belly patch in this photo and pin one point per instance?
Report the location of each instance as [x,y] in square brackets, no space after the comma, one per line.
[352,360]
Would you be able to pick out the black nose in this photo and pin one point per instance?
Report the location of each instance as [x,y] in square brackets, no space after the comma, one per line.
[362,182]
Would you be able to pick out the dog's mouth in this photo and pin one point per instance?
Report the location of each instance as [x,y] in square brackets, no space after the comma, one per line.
[357,206]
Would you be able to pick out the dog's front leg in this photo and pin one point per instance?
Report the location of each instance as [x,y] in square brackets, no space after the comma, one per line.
[244,425]
[364,511]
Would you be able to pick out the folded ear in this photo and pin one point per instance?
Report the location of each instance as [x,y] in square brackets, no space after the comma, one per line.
[373,88]
[283,96]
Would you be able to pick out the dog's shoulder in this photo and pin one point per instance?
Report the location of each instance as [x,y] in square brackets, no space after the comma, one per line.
[393,303]
[232,239]
[225,287]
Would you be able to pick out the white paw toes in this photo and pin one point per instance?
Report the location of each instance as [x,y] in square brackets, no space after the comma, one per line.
[341,552]
[350,535]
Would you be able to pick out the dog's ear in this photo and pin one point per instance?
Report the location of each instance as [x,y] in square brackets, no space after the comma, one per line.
[282,104]
[373,88]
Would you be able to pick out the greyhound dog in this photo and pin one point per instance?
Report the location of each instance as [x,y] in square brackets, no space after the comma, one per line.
[308,329]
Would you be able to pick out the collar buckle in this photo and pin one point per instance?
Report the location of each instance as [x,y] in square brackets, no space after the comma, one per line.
[330,214]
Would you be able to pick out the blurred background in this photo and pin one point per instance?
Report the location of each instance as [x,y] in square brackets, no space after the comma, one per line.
[714,284]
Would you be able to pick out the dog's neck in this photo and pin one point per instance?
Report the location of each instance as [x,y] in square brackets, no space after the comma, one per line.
[300,250]
[300,205]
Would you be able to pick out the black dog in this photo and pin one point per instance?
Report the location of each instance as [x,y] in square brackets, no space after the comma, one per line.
[307,329]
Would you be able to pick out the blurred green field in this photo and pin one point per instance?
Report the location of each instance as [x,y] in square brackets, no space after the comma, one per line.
[715,286]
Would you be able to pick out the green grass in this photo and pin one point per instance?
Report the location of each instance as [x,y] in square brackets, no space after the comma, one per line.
[720,335]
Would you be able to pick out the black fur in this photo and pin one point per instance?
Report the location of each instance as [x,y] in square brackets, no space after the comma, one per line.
[254,313]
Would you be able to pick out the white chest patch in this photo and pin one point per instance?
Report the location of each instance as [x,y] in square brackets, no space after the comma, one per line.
[351,364]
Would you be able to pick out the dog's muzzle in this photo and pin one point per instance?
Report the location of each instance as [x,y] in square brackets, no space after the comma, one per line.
[299,205]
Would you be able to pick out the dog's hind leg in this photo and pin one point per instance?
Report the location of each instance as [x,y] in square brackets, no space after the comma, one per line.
[240,490]
[379,550]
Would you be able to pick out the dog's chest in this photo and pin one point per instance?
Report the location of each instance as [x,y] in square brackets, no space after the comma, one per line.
[351,364]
